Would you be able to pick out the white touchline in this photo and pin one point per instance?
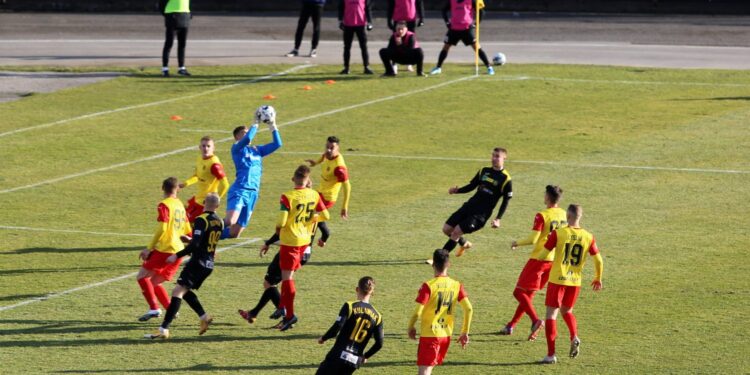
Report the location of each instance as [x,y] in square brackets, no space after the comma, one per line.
[105,282]
[74,231]
[191,148]
[151,104]
[571,164]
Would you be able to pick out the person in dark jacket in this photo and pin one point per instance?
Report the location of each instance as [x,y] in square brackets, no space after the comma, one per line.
[403,48]
[177,21]
[310,9]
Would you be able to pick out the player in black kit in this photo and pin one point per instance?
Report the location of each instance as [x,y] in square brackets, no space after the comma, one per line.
[358,322]
[206,233]
[491,183]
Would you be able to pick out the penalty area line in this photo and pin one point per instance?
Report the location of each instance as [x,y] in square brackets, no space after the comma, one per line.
[538,162]
[8,227]
[105,282]
[156,103]
[191,148]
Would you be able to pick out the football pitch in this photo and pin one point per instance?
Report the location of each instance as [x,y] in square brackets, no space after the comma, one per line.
[658,158]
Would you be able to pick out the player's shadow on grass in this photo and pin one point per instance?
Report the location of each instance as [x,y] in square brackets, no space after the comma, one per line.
[136,338]
[208,367]
[55,250]
[45,327]
[23,271]
[390,262]
[21,296]
[746,98]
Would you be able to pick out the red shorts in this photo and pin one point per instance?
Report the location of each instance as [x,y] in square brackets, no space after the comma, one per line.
[193,210]
[327,203]
[157,262]
[290,257]
[432,350]
[561,295]
[534,275]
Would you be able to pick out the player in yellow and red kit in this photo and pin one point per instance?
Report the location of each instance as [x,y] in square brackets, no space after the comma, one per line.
[299,209]
[172,223]
[571,245]
[209,175]
[436,305]
[334,177]
[536,272]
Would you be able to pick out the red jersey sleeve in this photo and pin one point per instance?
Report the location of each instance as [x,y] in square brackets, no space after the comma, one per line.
[284,203]
[462,293]
[341,173]
[551,241]
[321,204]
[424,294]
[218,171]
[593,250]
[538,223]
[163,213]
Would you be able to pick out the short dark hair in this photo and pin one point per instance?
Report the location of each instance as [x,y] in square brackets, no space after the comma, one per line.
[440,259]
[401,23]
[301,173]
[333,139]
[575,210]
[554,193]
[366,285]
[170,184]
[238,129]
[500,149]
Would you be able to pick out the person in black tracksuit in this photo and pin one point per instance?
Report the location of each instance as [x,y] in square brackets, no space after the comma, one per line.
[356,324]
[310,9]
[177,21]
[402,49]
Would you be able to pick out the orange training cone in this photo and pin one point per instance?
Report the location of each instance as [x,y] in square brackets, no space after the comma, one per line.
[176,118]
[307,87]
[269,97]
[330,82]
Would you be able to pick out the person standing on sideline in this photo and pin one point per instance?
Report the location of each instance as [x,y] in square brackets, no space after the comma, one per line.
[310,9]
[402,49]
[354,18]
[409,11]
[176,20]
[461,27]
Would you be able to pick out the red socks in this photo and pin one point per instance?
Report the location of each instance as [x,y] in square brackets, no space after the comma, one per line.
[524,302]
[570,320]
[148,292]
[517,316]
[162,296]
[288,291]
[551,332]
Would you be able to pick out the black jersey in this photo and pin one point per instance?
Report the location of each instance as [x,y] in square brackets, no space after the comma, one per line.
[491,185]
[207,229]
[358,322]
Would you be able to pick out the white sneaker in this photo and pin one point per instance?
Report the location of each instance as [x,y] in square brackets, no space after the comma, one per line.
[161,334]
[150,314]
[410,68]
[395,68]
[548,360]
[575,347]
[436,71]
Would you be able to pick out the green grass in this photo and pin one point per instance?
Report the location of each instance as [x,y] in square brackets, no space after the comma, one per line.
[676,285]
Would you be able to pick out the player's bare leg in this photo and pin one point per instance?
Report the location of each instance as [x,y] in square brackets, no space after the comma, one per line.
[425,370]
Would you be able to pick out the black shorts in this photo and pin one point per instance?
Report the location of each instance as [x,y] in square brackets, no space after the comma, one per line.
[466,36]
[193,275]
[332,366]
[177,20]
[273,272]
[468,219]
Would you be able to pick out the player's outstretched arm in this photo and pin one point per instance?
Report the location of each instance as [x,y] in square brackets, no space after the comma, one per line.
[275,144]
[191,180]
[530,240]
[248,136]
[313,163]
[471,185]
[337,325]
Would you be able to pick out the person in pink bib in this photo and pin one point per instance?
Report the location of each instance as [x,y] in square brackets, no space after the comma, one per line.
[403,48]
[409,11]
[459,17]
[354,18]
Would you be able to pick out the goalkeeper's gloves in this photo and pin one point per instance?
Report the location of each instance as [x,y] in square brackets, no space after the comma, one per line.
[272,125]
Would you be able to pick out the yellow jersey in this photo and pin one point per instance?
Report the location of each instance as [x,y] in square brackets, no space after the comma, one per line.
[295,221]
[545,222]
[440,297]
[571,246]
[173,223]
[333,173]
[208,175]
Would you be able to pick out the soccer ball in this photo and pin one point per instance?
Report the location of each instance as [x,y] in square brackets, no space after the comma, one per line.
[499,59]
[265,114]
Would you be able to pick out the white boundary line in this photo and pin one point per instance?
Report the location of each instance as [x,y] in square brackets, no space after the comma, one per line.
[151,104]
[570,164]
[628,82]
[190,148]
[105,282]
[73,231]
